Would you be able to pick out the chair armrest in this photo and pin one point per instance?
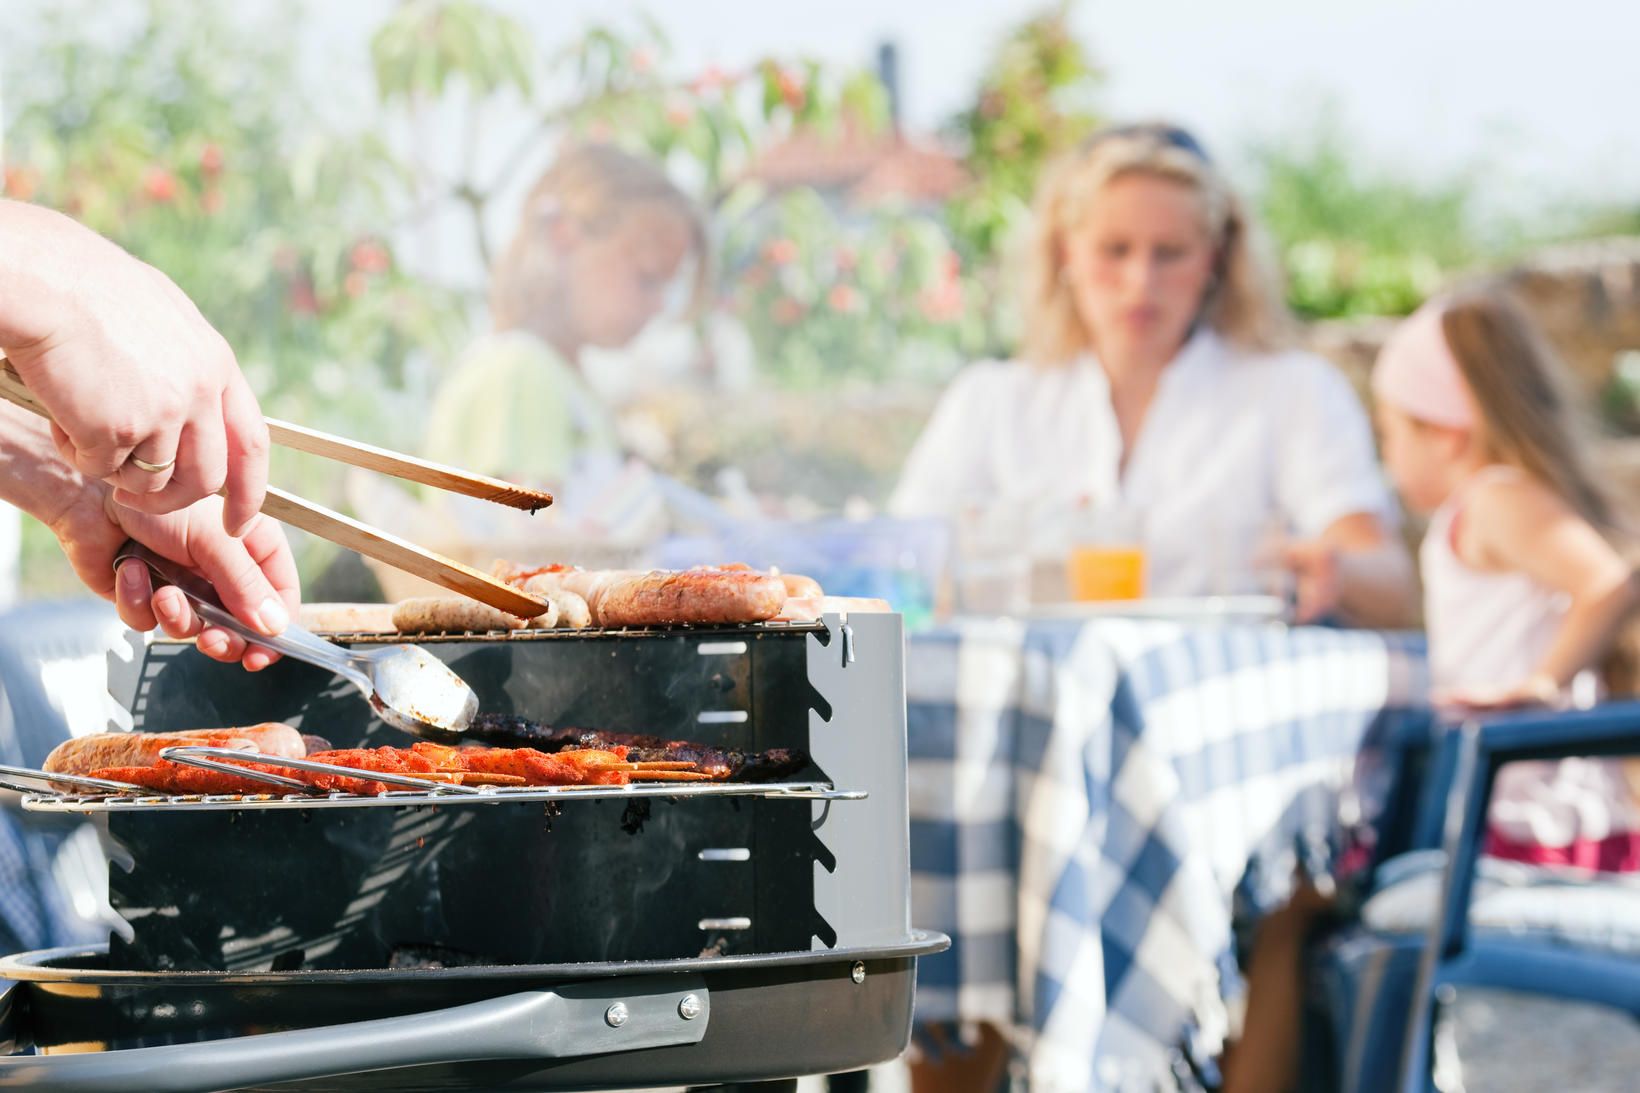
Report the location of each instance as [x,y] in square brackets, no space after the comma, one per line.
[1478,749]
[1612,729]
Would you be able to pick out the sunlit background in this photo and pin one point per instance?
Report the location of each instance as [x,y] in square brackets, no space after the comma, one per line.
[332,183]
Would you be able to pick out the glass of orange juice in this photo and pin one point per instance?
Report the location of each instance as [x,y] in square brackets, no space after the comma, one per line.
[1107,558]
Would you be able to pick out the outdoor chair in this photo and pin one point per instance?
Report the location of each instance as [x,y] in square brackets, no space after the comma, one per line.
[1378,986]
[53,682]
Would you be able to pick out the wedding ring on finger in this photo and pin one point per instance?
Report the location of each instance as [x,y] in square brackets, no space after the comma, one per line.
[152,468]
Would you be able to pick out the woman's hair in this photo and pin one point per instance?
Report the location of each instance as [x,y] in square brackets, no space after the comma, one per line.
[1528,417]
[1242,302]
[595,186]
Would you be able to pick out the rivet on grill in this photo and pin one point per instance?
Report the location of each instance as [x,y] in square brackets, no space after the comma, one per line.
[615,1016]
[689,1007]
[858,972]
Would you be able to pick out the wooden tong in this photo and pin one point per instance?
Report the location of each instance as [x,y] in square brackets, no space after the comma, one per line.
[372,542]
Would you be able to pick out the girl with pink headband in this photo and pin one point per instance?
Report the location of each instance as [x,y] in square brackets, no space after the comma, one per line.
[1523,590]
[1523,596]
[1524,593]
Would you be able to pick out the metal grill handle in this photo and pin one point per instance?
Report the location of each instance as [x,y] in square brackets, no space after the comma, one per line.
[576,1019]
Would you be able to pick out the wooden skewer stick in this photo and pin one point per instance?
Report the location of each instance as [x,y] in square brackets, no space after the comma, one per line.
[355,453]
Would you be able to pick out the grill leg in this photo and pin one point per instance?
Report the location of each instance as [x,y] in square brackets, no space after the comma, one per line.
[855,1081]
[788,1085]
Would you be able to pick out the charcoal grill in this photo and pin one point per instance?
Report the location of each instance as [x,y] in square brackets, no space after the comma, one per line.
[510,939]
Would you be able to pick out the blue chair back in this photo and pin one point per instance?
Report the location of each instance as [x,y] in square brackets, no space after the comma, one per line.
[52,682]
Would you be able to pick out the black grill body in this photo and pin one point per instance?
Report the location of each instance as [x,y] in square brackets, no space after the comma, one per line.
[790,915]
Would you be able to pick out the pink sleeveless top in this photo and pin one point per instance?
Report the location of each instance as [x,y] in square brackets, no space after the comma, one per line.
[1492,629]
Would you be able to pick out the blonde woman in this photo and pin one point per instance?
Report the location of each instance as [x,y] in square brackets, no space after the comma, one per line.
[1153,377]
[603,238]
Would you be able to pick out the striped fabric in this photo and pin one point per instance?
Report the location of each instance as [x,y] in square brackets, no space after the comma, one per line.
[1087,798]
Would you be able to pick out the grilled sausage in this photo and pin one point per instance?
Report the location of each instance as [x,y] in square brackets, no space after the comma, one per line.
[85,754]
[800,586]
[692,596]
[573,611]
[453,614]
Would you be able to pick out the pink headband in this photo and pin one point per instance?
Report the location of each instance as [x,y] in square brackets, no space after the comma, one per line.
[1417,373]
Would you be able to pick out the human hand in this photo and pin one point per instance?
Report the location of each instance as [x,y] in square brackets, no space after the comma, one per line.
[130,370]
[254,575]
[1538,689]
[1314,565]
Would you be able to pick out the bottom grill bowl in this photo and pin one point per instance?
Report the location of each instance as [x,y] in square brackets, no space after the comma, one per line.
[772,1016]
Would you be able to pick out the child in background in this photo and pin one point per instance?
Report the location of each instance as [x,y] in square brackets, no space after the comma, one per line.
[1523,592]
[603,238]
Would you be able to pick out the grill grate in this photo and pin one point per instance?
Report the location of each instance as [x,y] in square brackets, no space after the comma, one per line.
[491,795]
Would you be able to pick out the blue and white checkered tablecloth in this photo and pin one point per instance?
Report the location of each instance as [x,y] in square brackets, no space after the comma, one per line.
[1086,799]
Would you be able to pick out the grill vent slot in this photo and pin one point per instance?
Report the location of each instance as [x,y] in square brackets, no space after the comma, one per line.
[725,853]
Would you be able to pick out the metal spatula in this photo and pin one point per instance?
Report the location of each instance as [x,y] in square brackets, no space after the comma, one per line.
[407,686]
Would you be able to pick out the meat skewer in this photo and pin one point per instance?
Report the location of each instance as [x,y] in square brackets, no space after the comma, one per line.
[722,764]
[431,762]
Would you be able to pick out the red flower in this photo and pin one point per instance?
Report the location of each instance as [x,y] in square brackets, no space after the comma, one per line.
[780,251]
[791,89]
[787,311]
[844,299]
[21,182]
[303,301]
[942,303]
[711,79]
[210,160]
[846,258]
[159,184]
[643,59]
[679,113]
[369,256]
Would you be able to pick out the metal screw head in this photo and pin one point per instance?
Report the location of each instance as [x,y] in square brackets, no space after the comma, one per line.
[615,1016]
[858,972]
[689,1007]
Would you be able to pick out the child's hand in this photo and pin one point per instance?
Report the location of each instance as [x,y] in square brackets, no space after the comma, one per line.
[1535,690]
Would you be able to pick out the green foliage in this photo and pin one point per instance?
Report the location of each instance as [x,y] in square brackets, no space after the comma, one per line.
[828,291]
[426,43]
[1353,243]
[872,299]
[184,142]
[1034,102]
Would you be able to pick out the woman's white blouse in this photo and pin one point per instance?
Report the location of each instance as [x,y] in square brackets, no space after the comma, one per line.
[1236,449]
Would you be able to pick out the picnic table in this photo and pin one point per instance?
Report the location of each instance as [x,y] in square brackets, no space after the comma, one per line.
[1091,799]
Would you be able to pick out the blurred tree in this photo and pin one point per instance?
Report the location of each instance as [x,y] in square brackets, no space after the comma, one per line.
[185,138]
[828,289]
[1035,102]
